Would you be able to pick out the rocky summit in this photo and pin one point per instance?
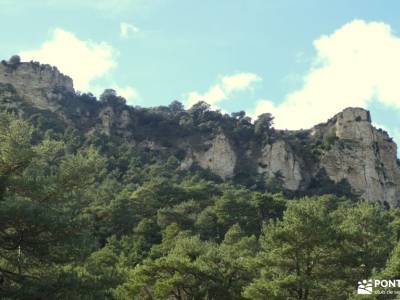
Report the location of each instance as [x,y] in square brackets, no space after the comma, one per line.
[345,153]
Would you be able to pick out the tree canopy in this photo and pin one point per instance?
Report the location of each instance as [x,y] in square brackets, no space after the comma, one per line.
[92,218]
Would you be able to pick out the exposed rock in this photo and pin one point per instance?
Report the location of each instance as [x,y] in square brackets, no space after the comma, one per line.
[125,119]
[114,120]
[278,158]
[40,85]
[220,158]
[187,162]
[364,156]
[107,117]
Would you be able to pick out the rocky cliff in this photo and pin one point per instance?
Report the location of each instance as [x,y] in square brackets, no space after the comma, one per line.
[346,149]
[39,85]
[363,155]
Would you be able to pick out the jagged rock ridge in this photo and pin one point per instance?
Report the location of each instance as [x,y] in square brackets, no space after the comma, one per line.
[347,148]
[37,84]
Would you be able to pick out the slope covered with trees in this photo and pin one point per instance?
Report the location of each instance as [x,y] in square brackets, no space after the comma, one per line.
[96,218]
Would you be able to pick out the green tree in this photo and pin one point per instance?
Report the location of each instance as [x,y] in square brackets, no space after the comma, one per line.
[298,257]
[188,268]
[230,265]
[366,238]
[177,275]
[14,60]
[43,193]
[263,124]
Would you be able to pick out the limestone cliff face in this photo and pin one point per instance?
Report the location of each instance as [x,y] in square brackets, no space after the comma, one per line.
[107,117]
[364,156]
[347,147]
[219,158]
[279,158]
[37,84]
[358,153]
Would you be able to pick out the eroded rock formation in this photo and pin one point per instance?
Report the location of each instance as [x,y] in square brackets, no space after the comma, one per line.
[345,148]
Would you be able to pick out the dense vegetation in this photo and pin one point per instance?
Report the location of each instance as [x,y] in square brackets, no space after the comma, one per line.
[97,218]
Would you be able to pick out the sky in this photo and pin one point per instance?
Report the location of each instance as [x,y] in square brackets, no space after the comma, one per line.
[302,61]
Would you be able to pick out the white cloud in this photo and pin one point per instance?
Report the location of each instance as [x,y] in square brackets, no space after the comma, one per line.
[126,29]
[355,65]
[239,82]
[226,87]
[214,95]
[83,60]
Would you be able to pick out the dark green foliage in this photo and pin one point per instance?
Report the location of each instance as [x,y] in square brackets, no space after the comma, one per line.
[94,217]
[109,96]
[42,193]
[321,184]
[14,60]
[263,124]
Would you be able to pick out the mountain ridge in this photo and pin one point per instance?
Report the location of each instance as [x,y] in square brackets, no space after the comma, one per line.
[346,150]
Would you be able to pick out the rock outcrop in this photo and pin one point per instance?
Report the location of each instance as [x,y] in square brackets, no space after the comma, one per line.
[345,148]
[278,158]
[39,85]
[364,156]
[219,158]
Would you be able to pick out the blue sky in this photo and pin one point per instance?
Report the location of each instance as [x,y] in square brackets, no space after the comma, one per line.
[301,60]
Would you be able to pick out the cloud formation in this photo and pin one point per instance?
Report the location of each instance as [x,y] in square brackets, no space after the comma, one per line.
[225,87]
[355,65]
[83,60]
[126,29]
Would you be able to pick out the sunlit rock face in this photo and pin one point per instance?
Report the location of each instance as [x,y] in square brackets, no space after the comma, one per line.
[40,85]
[220,157]
[280,158]
[363,155]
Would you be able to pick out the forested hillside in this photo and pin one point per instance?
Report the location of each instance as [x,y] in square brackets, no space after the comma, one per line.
[83,221]
[108,211]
